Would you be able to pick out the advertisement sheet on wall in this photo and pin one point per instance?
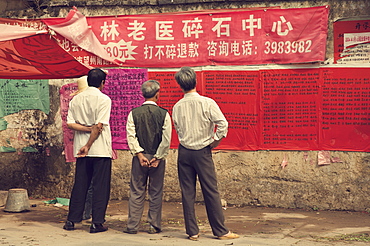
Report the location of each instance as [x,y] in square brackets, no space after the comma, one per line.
[312,108]
[15,96]
[345,121]
[123,87]
[352,40]
[277,108]
[290,105]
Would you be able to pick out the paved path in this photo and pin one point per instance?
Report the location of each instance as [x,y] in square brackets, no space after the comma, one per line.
[257,226]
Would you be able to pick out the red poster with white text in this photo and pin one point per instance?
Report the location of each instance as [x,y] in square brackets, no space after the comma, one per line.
[199,38]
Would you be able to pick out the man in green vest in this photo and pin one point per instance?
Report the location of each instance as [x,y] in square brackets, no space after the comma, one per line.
[148,135]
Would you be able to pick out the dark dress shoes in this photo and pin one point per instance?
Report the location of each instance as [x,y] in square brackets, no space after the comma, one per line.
[69,226]
[130,231]
[152,230]
[95,228]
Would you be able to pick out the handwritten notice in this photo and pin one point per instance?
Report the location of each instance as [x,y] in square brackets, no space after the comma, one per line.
[170,91]
[317,108]
[17,95]
[123,87]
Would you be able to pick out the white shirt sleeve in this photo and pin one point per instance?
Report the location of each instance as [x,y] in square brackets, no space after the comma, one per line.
[70,118]
[132,140]
[104,112]
[164,146]
[219,119]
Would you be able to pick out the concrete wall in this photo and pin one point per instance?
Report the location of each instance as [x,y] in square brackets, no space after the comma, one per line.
[245,178]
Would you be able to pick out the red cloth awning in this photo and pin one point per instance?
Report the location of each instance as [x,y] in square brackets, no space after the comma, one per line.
[37,57]
[30,50]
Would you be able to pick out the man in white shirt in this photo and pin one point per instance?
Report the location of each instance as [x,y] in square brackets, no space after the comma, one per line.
[88,116]
[195,118]
[148,135]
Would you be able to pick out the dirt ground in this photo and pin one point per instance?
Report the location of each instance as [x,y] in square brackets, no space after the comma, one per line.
[42,225]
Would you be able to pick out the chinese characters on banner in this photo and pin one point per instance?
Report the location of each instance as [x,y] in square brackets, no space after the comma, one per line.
[352,41]
[212,37]
[242,37]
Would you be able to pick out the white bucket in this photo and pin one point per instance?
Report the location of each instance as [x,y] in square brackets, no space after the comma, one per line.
[17,200]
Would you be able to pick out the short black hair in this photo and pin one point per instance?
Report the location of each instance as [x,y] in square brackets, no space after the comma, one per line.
[186,78]
[96,77]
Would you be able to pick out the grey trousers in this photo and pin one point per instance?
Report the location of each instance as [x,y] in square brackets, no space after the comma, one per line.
[193,163]
[138,185]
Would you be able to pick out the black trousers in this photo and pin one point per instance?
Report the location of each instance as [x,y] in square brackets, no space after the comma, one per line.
[193,163]
[98,171]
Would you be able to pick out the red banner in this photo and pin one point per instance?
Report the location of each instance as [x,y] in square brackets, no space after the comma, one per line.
[228,37]
[75,28]
[214,37]
[37,57]
[285,109]
[272,109]
[27,51]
